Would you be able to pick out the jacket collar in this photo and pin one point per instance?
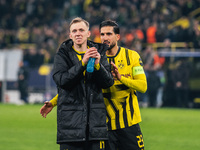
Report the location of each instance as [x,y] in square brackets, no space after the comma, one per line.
[67,45]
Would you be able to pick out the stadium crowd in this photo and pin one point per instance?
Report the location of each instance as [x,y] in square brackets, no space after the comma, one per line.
[43,24]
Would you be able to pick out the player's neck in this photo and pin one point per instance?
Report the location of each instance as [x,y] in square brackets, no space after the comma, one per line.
[81,47]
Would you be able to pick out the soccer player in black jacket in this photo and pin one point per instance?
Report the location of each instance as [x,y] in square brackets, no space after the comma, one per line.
[81,112]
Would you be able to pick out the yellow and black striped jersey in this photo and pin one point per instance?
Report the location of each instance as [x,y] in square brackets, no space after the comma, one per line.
[121,99]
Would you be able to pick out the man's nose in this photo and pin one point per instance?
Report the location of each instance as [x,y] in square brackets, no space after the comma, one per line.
[78,33]
[105,37]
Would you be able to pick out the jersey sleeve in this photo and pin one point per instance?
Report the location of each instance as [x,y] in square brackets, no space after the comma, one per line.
[138,82]
[54,100]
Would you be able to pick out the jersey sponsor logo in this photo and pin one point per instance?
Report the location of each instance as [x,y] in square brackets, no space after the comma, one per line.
[126,75]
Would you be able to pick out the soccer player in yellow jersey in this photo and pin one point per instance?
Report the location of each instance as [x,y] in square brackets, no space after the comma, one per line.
[123,114]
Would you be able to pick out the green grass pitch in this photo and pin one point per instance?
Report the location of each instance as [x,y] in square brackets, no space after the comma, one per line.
[23,128]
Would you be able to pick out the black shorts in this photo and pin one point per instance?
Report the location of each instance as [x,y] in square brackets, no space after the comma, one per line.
[125,139]
[87,145]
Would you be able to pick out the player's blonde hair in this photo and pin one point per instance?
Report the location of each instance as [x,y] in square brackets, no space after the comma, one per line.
[79,19]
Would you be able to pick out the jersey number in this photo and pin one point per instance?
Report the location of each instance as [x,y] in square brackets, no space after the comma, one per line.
[140,141]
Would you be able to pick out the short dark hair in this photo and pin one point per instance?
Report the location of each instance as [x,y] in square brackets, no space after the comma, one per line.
[110,23]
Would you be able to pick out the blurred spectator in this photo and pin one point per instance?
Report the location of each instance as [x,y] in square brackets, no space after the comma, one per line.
[152,65]
[180,77]
[167,45]
[154,84]
[32,58]
[123,15]
[196,34]
[23,82]
[95,34]
[151,33]
[188,6]
[161,32]
[74,9]
[37,36]
[45,57]
[23,35]
[151,59]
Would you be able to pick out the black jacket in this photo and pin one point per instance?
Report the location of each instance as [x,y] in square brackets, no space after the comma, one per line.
[81,111]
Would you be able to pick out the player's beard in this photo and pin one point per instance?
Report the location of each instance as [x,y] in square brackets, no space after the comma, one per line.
[111,46]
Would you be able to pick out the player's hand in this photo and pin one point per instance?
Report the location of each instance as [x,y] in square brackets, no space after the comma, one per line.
[115,71]
[98,57]
[46,108]
[93,53]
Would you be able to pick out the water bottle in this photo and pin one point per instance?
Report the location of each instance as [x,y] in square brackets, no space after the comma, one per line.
[90,65]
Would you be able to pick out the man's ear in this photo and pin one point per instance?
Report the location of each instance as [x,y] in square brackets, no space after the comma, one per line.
[70,36]
[89,33]
[118,36]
